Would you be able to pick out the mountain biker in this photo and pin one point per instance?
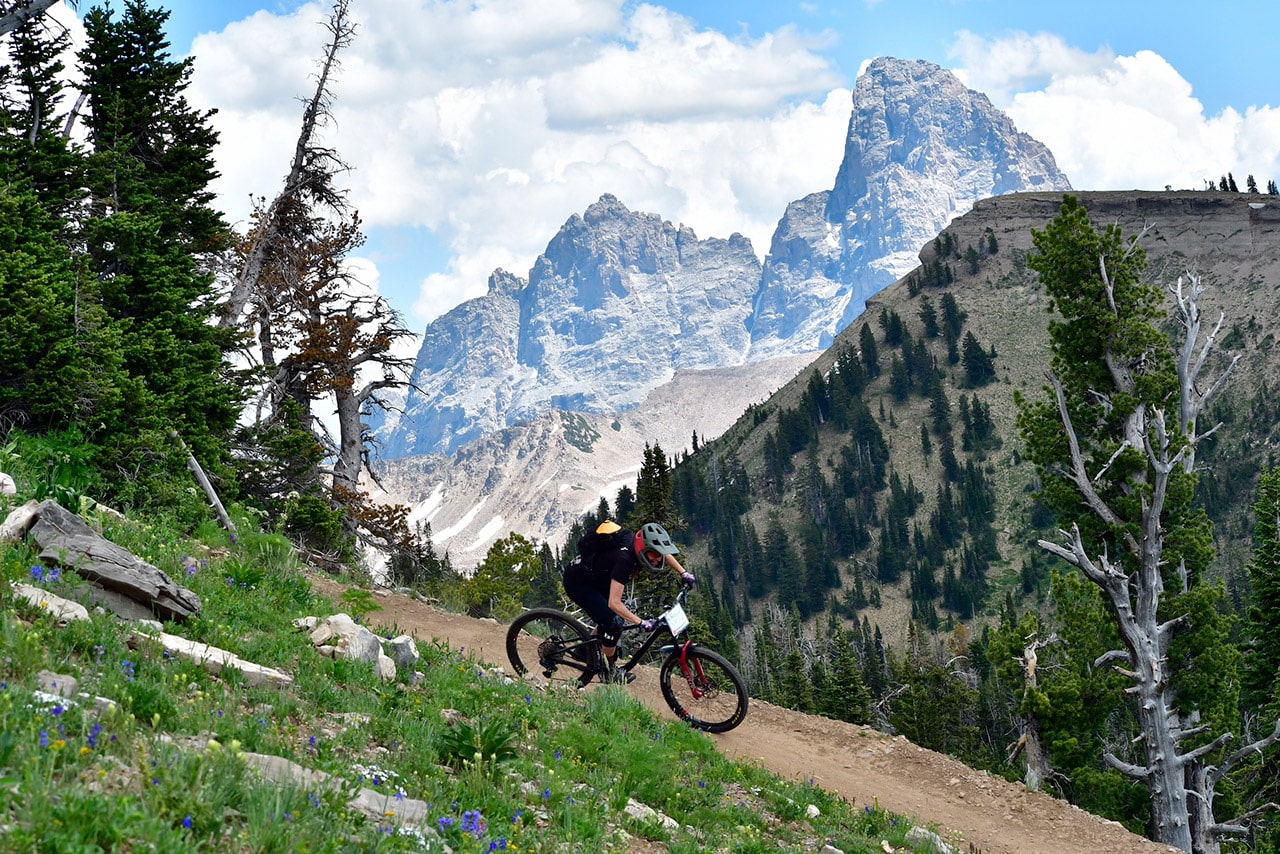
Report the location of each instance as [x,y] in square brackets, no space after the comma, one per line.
[596,578]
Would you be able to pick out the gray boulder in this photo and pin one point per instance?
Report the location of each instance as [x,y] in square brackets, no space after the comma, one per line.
[123,583]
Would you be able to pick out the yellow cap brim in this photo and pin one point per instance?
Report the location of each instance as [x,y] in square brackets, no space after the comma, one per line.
[608,526]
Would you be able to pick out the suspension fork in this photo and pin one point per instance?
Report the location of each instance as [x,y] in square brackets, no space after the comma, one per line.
[694,675]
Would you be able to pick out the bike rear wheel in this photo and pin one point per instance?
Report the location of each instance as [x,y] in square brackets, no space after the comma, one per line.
[706,691]
[553,644]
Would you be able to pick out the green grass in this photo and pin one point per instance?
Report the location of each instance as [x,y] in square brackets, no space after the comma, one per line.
[163,768]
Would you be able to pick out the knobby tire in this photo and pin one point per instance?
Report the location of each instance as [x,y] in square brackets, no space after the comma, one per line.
[723,701]
[553,644]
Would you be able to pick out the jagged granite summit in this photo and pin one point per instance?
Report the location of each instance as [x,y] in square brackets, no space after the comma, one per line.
[617,303]
[621,300]
[921,150]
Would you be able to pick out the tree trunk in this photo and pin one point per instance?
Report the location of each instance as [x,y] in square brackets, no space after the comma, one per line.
[1036,761]
[23,14]
[346,468]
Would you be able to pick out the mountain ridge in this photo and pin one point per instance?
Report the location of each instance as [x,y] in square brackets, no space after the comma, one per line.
[622,301]
[1232,241]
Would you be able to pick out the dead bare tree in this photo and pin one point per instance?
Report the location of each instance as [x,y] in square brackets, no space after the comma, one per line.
[309,184]
[1182,782]
[19,14]
[313,332]
[1030,745]
[1116,443]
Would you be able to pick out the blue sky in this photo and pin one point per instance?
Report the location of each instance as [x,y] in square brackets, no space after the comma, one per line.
[476,128]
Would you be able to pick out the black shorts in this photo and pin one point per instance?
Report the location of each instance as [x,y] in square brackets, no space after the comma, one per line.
[590,590]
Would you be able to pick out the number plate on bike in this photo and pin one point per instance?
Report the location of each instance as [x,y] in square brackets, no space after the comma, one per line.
[677,620]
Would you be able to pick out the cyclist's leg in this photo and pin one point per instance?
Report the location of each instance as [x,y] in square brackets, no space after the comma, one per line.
[589,596]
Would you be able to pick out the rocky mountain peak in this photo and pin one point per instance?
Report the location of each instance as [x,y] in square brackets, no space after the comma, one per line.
[620,300]
[921,149]
[616,304]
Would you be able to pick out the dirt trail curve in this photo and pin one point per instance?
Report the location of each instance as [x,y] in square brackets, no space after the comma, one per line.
[865,766]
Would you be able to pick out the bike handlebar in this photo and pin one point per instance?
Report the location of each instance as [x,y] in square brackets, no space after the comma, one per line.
[685,587]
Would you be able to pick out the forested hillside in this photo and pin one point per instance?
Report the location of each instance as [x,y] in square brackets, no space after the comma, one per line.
[881,509]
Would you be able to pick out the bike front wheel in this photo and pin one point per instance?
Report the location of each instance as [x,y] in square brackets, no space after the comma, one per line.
[703,689]
[554,644]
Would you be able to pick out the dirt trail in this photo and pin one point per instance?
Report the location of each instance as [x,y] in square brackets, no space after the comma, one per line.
[990,815]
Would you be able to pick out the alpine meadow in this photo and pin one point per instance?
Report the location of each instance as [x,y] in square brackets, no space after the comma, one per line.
[970,461]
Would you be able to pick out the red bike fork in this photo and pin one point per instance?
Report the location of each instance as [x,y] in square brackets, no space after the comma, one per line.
[693,676]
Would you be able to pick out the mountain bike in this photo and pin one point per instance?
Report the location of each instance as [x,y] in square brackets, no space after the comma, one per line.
[699,685]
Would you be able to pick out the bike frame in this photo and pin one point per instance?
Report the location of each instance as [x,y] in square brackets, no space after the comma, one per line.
[647,644]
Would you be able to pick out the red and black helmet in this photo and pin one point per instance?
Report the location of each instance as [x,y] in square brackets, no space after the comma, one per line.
[652,544]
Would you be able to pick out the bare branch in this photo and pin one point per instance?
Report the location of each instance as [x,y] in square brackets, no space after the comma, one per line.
[1247,750]
[309,173]
[1078,474]
[1205,749]
[20,16]
[1137,772]
[1112,655]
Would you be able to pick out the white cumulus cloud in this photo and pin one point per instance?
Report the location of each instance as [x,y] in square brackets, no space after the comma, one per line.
[492,122]
[1118,122]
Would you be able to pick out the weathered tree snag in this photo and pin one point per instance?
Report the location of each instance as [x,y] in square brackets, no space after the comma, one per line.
[203,480]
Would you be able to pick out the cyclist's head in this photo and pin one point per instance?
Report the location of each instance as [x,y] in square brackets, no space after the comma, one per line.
[652,544]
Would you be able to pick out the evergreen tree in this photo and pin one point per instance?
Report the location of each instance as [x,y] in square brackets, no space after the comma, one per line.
[624,503]
[845,697]
[1261,682]
[952,317]
[782,569]
[899,379]
[928,317]
[150,229]
[1263,664]
[653,491]
[59,367]
[35,152]
[978,366]
[545,588]
[939,408]
[503,578]
[795,690]
[870,353]
[934,708]
[1123,407]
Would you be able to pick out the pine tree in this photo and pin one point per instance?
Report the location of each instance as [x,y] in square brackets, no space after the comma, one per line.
[34,149]
[653,491]
[58,369]
[979,369]
[1263,665]
[928,317]
[795,690]
[1122,407]
[150,228]
[870,353]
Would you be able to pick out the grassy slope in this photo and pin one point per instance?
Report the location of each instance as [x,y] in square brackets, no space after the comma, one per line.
[165,769]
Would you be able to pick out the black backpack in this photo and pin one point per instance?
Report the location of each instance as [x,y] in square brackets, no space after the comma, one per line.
[592,544]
